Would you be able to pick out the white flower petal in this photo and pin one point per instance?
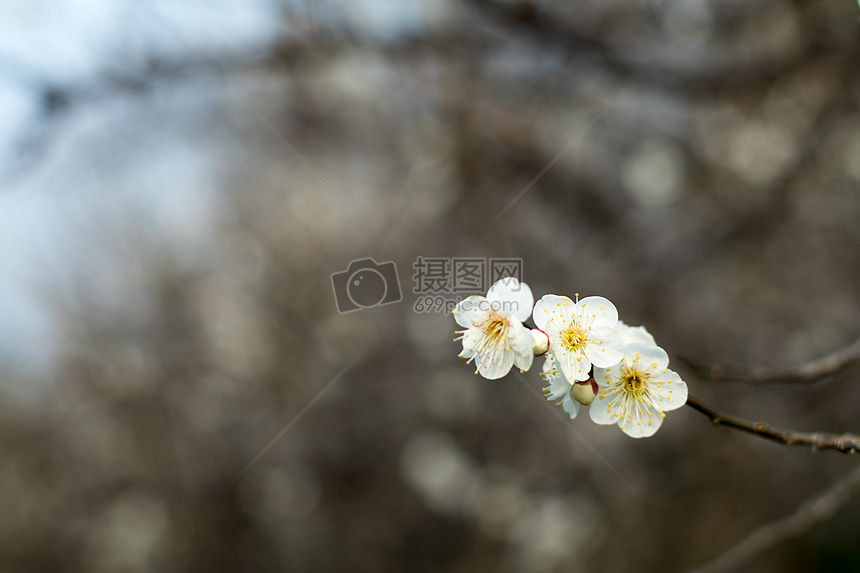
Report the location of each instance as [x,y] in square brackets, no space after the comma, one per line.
[639,412]
[469,310]
[570,406]
[524,361]
[636,418]
[604,348]
[554,308]
[668,390]
[575,366]
[550,369]
[521,335]
[599,410]
[634,334]
[597,311]
[607,378]
[516,297]
[471,340]
[496,346]
[648,357]
[558,388]
[558,385]
[646,426]
[495,361]
[521,344]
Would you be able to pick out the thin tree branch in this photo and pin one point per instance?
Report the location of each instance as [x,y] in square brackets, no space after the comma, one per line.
[845,443]
[60,100]
[532,19]
[819,508]
[806,373]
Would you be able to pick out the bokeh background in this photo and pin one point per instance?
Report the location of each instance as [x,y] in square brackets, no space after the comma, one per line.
[166,306]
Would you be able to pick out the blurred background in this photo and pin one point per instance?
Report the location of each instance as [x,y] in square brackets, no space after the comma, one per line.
[180,179]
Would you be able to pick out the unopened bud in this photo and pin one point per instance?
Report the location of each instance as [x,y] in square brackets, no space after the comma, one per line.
[584,392]
[541,341]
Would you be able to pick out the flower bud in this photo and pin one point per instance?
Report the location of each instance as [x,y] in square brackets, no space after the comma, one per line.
[541,341]
[584,392]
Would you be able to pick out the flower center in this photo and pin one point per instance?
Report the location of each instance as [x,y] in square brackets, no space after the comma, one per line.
[494,328]
[573,339]
[633,381]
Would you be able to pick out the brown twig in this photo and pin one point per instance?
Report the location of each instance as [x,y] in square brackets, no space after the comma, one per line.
[532,19]
[806,373]
[767,536]
[845,443]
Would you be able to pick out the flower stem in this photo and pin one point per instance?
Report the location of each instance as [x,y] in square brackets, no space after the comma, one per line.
[845,443]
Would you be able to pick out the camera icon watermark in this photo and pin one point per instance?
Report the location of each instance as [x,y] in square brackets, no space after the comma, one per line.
[365,284]
[440,282]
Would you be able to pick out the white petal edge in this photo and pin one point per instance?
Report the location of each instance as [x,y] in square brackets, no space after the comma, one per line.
[672,390]
[643,430]
[648,358]
[551,306]
[606,349]
[631,334]
[494,362]
[597,311]
[522,345]
[576,367]
[516,298]
[570,406]
[469,310]
[599,409]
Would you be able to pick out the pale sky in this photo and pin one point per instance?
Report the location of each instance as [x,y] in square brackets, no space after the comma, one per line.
[167,183]
[42,207]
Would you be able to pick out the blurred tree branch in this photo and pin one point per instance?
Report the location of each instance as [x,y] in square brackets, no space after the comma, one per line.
[705,81]
[845,443]
[58,100]
[806,373]
[820,507]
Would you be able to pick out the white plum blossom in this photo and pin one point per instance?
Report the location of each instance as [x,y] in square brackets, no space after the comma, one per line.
[494,335]
[581,333]
[558,387]
[636,393]
[631,334]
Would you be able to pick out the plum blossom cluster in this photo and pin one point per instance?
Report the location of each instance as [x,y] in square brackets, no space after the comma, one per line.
[591,357]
